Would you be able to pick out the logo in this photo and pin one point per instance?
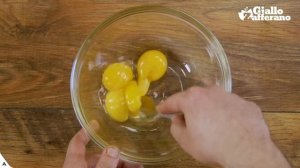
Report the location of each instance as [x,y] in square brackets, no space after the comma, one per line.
[260,13]
[3,163]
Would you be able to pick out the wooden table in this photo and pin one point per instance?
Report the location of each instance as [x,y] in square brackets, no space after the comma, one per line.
[39,40]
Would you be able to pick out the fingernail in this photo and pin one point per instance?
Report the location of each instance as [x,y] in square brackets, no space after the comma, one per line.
[112,152]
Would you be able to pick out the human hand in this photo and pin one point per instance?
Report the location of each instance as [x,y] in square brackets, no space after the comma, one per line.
[76,155]
[221,128]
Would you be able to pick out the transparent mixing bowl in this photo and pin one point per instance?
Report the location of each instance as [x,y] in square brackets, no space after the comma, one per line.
[195,57]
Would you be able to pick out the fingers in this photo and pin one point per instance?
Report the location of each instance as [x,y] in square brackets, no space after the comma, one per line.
[81,138]
[173,104]
[178,128]
[93,160]
[178,121]
[78,143]
[109,158]
[76,150]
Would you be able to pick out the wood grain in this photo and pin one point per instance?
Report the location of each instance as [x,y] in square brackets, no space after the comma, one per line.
[37,49]
[39,137]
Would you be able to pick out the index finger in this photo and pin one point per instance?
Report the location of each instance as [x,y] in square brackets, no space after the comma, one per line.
[80,140]
[76,149]
[78,143]
[173,104]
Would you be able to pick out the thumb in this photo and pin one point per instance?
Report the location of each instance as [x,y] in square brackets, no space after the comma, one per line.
[178,128]
[109,158]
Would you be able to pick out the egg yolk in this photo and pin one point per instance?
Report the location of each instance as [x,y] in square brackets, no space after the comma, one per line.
[116,76]
[152,65]
[116,106]
[143,86]
[133,98]
[127,96]
[148,105]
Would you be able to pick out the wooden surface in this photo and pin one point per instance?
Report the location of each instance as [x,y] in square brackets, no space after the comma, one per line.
[39,40]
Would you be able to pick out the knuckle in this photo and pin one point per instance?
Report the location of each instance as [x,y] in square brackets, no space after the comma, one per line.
[216,88]
[195,91]
[255,107]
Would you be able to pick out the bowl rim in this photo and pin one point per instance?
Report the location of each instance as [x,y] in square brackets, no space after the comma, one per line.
[214,46]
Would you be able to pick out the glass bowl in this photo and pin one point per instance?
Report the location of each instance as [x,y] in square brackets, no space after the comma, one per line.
[195,57]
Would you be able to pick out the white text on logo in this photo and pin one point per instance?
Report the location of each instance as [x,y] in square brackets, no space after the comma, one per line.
[260,13]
